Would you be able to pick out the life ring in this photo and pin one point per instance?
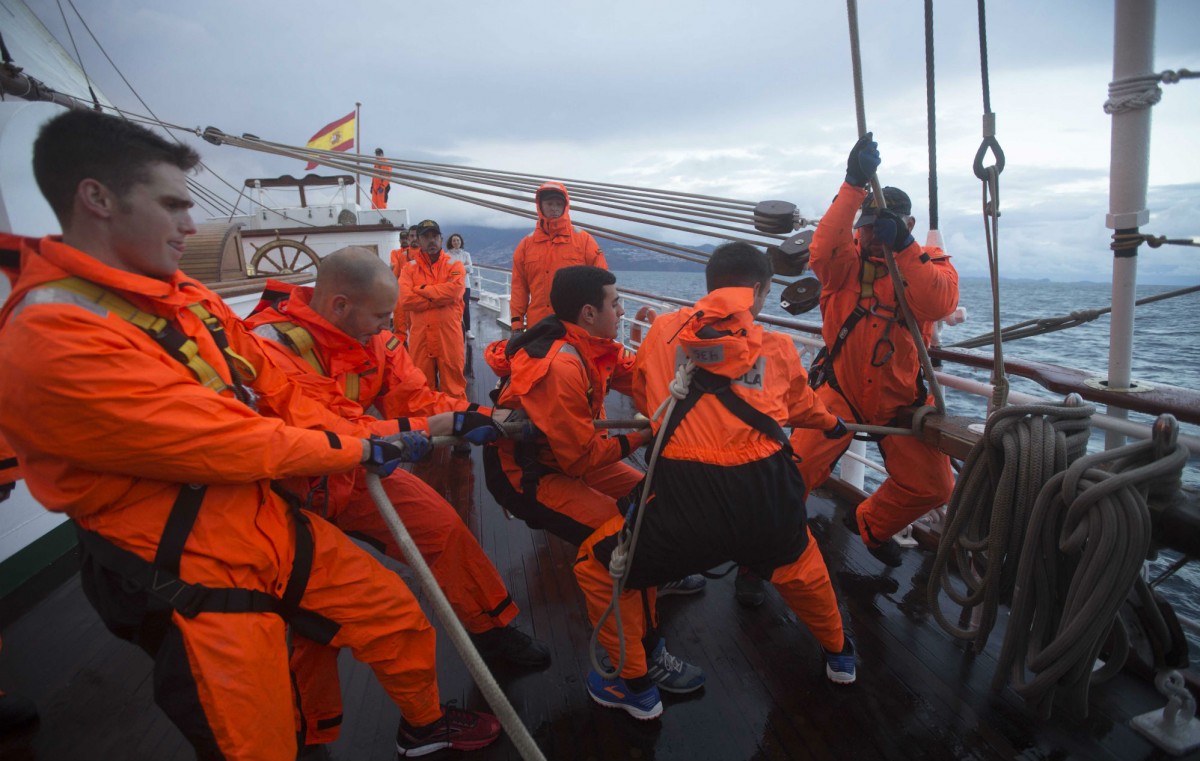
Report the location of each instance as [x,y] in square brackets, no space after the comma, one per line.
[647,315]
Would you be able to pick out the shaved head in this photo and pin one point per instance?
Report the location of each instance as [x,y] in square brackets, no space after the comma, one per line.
[355,291]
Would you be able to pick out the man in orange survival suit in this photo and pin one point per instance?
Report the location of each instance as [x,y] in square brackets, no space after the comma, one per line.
[401,256]
[333,340]
[380,188]
[431,292]
[552,245]
[188,550]
[875,369]
[572,481]
[725,485]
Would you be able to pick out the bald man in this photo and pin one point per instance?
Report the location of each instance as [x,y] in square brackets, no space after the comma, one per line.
[332,339]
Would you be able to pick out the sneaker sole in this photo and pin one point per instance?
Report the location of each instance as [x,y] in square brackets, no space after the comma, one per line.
[633,711]
[838,677]
[425,750]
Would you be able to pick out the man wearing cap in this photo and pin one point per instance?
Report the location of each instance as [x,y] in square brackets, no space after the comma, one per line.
[380,187]
[431,293]
[554,244]
[870,367]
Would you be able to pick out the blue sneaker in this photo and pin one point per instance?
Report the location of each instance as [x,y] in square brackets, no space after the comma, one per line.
[688,585]
[839,667]
[615,693]
[673,674]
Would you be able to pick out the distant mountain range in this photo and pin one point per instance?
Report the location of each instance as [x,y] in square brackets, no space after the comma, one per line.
[495,246]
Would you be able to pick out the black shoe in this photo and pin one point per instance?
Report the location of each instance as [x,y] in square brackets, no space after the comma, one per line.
[16,712]
[749,590]
[850,520]
[887,553]
[512,645]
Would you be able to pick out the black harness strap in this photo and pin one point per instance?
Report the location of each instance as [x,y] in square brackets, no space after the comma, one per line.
[705,382]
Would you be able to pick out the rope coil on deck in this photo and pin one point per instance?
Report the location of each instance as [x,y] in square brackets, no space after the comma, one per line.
[1088,537]
[1021,449]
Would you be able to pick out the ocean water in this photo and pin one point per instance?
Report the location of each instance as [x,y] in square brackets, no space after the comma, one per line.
[1166,351]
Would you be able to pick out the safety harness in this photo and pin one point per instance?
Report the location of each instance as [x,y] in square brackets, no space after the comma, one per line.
[136,597]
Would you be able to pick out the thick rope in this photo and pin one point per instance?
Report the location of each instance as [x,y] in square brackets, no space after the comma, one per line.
[453,627]
[622,556]
[1021,449]
[1136,93]
[1088,537]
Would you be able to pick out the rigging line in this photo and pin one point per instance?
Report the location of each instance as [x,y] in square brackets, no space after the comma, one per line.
[931,116]
[200,200]
[199,191]
[983,59]
[133,90]
[79,58]
[407,180]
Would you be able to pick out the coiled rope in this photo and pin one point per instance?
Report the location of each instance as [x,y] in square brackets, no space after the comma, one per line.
[1088,537]
[622,556]
[1136,93]
[453,627]
[1021,449]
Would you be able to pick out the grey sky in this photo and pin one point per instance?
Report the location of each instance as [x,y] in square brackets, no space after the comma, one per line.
[748,100]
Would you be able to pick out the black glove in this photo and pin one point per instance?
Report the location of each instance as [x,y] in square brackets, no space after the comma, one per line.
[892,229]
[863,161]
[838,431]
[476,428]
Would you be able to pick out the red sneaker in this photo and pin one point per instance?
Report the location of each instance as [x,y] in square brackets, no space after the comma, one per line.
[457,729]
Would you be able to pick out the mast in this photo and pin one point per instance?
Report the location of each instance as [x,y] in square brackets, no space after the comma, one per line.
[1133,56]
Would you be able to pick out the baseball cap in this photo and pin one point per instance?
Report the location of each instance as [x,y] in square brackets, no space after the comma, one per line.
[427,225]
[897,200]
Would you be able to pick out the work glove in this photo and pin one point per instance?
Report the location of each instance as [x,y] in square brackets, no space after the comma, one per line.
[838,431]
[386,456]
[892,229]
[476,428]
[863,161]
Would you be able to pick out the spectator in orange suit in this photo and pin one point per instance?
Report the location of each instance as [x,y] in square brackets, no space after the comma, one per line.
[552,245]
[401,256]
[380,187]
[431,292]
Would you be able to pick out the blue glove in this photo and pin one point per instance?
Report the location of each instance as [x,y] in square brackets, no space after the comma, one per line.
[892,229]
[863,161]
[838,431]
[386,456]
[476,428]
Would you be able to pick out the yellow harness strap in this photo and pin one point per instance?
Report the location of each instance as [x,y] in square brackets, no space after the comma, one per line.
[158,327]
[866,284]
[301,342]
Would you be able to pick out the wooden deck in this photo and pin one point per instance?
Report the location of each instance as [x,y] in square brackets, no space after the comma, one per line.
[919,693]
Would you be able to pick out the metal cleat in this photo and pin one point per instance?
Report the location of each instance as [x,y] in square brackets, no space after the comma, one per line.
[1175,728]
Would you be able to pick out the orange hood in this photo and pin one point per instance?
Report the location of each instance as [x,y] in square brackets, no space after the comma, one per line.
[720,334]
[549,229]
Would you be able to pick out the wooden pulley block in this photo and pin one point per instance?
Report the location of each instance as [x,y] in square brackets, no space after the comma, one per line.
[790,258]
[801,296]
[775,217]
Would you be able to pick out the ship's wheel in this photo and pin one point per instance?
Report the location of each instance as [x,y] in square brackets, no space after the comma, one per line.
[282,256]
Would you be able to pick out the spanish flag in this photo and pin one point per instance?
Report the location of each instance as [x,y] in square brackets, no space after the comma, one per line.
[335,136]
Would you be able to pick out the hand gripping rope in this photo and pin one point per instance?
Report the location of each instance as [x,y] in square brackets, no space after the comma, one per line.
[622,556]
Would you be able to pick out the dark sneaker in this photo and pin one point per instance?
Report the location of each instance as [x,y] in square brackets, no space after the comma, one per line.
[749,589]
[457,730]
[887,553]
[512,645]
[615,693]
[839,667]
[688,585]
[673,674]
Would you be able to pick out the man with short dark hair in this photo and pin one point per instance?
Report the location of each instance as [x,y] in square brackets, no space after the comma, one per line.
[332,339]
[552,245]
[725,485]
[431,293]
[870,367]
[144,384]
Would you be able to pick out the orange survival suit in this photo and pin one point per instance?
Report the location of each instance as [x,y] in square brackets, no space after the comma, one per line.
[877,370]
[431,294]
[380,188]
[169,482]
[568,480]
[400,257]
[554,244]
[725,484]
